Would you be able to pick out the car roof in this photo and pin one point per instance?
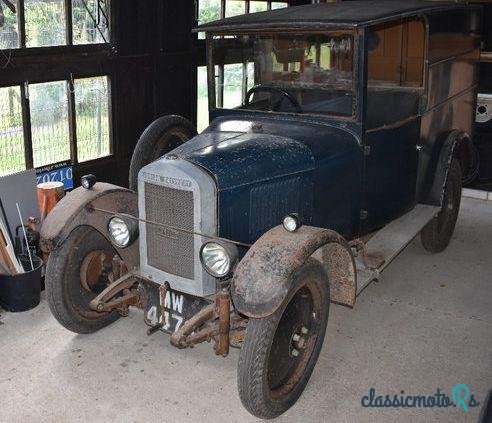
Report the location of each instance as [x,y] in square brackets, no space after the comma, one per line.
[346,14]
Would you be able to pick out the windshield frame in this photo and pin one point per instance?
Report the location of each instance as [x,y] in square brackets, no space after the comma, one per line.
[356,36]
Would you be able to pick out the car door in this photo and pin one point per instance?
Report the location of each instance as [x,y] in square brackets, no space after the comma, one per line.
[390,174]
[394,93]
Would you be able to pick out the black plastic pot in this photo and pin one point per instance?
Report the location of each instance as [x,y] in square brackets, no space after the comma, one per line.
[22,292]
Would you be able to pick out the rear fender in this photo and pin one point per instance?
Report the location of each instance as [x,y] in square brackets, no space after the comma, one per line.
[452,142]
[78,209]
[262,280]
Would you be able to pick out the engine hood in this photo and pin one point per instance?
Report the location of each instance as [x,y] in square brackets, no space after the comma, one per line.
[236,159]
[239,151]
[268,166]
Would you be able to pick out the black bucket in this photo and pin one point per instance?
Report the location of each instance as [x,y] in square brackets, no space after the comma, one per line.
[22,292]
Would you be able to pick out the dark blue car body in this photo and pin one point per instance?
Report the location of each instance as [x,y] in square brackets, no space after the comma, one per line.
[286,164]
[352,175]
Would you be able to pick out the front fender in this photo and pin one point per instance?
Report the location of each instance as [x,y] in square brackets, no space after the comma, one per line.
[78,209]
[262,280]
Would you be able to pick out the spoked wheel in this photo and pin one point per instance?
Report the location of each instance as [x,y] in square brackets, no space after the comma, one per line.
[281,350]
[437,233]
[76,273]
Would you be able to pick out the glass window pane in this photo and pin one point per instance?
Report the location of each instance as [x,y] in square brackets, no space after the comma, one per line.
[11,134]
[258,6]
[208,11]
[233,82]
[45,23]
[316,69]
[49,122]
[90,23]
[234,8]
[9,31]
[92,117]
[202,99]
[278,5]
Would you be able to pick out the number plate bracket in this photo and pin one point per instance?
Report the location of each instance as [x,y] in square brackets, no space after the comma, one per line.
[167,309]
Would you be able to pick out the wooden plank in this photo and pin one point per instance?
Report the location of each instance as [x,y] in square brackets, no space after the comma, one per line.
[7,253]
[392,239]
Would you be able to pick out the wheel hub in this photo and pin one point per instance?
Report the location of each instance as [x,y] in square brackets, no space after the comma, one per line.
[298,341]
[95,266]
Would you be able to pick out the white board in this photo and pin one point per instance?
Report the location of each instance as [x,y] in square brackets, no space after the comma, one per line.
[19,188]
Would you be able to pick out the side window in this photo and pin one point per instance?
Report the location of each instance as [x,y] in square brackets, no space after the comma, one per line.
[396,53]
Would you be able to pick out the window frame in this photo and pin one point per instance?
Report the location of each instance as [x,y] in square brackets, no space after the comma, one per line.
[213,80]
[68,16]
[202,46]
[424,97]
[72,119]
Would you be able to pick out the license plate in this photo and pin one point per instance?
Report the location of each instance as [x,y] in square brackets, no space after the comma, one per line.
[59,172]
[177,307]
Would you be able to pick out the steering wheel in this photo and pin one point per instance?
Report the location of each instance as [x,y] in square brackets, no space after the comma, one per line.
[277,90]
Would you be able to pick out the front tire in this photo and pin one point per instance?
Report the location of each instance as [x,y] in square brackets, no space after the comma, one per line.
[437,234]
[280,351]
[69,297]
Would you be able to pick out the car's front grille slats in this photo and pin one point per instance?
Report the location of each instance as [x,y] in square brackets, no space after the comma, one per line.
[169,250]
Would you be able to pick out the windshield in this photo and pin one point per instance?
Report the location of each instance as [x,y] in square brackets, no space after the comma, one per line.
[291,73]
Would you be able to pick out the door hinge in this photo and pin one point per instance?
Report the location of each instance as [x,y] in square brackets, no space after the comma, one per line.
[363,214]
[367,150]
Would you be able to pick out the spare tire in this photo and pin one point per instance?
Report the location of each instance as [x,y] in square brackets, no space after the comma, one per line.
[160,137]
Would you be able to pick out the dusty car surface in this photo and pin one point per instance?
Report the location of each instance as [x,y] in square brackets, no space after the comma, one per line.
[350,137]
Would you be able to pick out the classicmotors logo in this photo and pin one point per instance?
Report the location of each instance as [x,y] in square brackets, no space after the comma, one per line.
[460,398]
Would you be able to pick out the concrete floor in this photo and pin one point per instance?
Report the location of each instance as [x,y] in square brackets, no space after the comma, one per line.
[426,324]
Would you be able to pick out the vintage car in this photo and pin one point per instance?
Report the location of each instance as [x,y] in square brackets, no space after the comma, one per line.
[348,135]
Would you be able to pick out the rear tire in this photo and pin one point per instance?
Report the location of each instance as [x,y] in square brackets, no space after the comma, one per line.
[437,233]
[274,367]
[160,137]
[67,297]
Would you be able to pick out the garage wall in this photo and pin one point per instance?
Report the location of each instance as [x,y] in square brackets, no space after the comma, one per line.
[149,63]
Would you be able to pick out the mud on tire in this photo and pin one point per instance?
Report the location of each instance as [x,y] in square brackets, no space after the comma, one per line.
[270,377]
[67,298]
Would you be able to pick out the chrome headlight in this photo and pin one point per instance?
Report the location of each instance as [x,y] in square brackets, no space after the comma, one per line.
[123,230]
[218,259]
[292,222]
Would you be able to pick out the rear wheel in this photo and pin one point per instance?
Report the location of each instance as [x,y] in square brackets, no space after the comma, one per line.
[76,273]
[160,137]
[280,351]
[437,233]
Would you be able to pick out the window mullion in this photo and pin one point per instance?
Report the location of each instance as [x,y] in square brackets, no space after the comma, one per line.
[222,9]
[220,93]
[21,16]
[68,22]
[72,121]
[26,125]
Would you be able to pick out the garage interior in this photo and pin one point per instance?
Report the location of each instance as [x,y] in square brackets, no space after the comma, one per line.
[80,81]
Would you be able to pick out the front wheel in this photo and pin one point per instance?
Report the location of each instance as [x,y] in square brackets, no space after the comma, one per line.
[280,351]
[76,273]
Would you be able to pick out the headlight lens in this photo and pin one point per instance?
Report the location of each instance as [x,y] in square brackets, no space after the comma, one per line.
[292,222]
[119,232]
[215,259]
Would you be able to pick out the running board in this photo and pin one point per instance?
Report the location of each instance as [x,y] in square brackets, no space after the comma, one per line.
[387,243]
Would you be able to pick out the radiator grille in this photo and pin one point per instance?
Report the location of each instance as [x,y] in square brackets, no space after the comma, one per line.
[169,250]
